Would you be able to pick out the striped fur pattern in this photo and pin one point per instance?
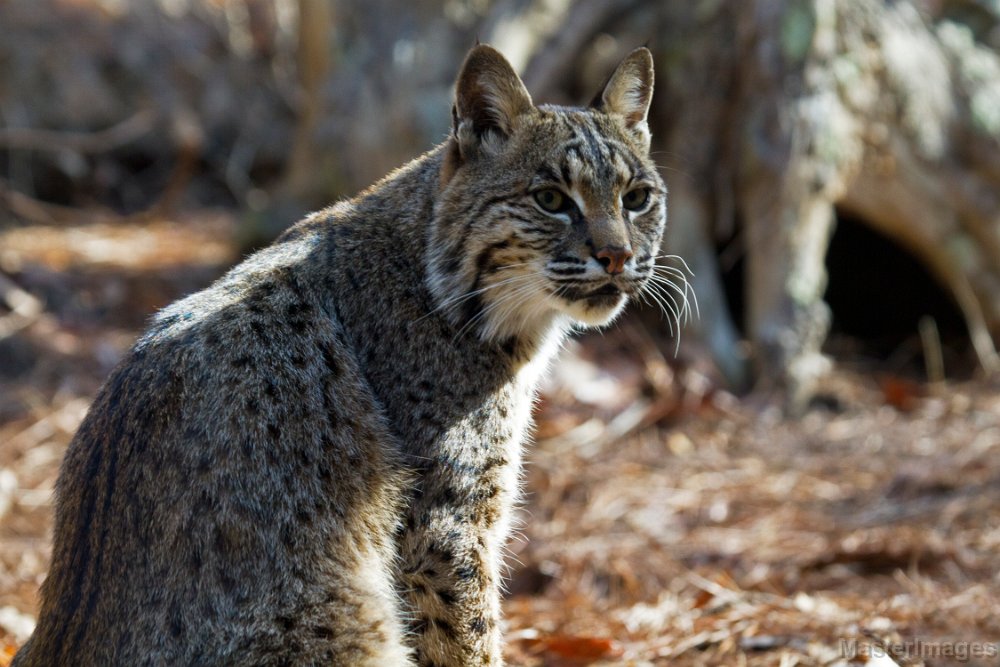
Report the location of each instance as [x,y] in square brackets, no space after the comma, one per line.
[314,461]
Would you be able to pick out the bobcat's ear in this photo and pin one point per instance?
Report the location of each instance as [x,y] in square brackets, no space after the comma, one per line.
[629,91]
[488,97]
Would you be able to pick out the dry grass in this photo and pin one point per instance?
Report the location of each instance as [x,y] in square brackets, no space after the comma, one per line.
[665,523]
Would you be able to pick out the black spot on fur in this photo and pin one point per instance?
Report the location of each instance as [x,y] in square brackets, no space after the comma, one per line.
[443,553]
[197,560]
[306,457]
[495,462]
[510,346]
[256,307]
[204,504]
[491,491]
[176,623]
[448,496]
[453,264]
[298,308]
[228,582]
[446,596]
[445,627]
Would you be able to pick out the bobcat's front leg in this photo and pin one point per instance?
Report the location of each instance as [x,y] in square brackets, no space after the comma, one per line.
[451,573]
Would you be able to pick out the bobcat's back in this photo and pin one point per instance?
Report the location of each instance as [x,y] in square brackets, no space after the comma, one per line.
[199,500]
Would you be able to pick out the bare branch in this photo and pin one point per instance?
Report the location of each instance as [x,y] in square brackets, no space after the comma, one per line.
[130,129]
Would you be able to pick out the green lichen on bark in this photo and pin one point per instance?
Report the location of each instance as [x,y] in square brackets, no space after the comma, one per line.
[978,72]
[798,27]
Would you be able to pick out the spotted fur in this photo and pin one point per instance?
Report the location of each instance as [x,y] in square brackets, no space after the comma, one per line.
[314,461]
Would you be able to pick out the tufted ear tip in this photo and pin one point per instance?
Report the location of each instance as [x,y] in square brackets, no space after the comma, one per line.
[489,94]
[629,90]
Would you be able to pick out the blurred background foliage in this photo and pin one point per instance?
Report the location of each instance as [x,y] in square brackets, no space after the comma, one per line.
[773,121]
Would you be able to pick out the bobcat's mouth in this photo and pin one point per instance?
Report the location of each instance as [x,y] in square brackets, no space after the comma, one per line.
[593,306]
[608,294]
[608,291]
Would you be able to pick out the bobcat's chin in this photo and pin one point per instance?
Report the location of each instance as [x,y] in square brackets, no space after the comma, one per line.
[596,310]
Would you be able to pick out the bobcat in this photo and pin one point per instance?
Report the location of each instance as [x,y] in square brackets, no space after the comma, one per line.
[314,460]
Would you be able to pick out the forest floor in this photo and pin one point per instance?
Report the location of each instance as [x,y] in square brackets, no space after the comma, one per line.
[665,521]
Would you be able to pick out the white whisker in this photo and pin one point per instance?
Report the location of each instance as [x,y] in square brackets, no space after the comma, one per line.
[670,288]
[677,258]
[502,306]
[653,293]
[453,302]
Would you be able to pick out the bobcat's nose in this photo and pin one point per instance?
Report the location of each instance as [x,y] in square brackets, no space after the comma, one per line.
[613,258]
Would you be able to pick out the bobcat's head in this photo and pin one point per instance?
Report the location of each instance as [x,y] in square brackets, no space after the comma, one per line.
[544,212]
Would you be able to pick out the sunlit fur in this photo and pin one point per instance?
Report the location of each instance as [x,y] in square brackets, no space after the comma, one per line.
[503,267]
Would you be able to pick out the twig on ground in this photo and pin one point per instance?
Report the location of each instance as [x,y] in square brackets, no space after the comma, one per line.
[25,308]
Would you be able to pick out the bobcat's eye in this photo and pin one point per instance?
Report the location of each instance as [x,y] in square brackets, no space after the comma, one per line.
[633,200]
[552,200]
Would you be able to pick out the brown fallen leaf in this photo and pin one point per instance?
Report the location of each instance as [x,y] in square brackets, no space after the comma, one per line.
[900,393]
[7,652]
[580,649]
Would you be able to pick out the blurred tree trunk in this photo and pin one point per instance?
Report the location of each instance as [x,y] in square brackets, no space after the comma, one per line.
[866,106]
[314,56]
